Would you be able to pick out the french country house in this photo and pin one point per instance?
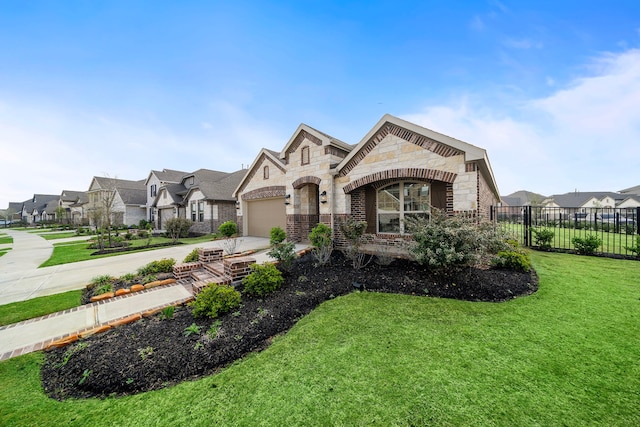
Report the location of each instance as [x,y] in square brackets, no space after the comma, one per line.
[154,182]
[397,170]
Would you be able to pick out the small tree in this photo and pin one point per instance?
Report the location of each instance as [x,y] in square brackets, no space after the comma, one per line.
[353,231]
[177,228]
[321,239]
[61,213]
[281,250]
[229,231]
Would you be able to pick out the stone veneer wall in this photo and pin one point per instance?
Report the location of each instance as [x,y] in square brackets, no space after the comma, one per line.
[486,198]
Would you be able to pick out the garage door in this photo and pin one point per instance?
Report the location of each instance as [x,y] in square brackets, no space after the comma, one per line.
[265,214]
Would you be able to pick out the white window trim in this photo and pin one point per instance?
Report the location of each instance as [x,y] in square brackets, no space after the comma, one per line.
[401,212]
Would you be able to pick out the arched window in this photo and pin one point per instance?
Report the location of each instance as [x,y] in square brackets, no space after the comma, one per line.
[399,201]
[265,172]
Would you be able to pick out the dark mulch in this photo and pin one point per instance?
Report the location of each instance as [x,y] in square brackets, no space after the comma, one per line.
[154,353]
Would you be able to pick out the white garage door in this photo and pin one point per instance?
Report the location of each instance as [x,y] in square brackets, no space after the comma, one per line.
[265,214]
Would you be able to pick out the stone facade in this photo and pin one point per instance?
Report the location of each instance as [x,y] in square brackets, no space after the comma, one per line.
[325,180]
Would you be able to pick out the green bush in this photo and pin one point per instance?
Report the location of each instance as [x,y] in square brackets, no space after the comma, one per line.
[154,267]
[192,257]
[284,253]
[228,229]
[215,300]
[322,242]
[277,235]
[264,279]
[588,245]
[543,237]
[353,230]
[513,260]
[635,248]
[142,234]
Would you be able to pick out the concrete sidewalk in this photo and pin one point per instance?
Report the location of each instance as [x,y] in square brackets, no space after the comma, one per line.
[36,334]
[21,279]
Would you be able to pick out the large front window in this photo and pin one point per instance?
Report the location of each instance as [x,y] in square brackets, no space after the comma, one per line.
[399,201]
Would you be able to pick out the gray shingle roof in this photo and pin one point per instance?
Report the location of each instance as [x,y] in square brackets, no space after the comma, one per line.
[579,198]
[632,190]
[106,182]
[170,175]
[133,196]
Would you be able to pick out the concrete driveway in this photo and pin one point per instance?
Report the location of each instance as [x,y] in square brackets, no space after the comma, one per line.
[21,279]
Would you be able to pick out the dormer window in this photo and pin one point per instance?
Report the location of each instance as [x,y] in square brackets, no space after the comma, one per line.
[305,155]
[265,172]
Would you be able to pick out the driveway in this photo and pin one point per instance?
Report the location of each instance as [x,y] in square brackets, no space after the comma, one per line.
[21,279]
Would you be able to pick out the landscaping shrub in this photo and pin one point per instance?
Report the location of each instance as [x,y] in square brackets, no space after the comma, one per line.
[513,260]
[353,231]
[228,229]
[443,241]
[588,245]
[284,253]
[635,248]
[322,242]
[154,267]
[277,235]
[177,228]
[215,300]
[192,257]
[543,237]
[264,279]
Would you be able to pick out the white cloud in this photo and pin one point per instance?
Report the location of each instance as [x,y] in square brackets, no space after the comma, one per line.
[584,136]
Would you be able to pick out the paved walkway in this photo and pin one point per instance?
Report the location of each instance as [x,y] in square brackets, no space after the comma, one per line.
[20,279]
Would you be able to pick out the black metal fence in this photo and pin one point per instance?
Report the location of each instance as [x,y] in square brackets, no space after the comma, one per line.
[617,228]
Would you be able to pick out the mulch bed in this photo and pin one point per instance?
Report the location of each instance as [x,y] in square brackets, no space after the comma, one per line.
[153,353]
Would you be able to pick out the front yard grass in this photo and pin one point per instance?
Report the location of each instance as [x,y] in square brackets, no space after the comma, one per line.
[567,355]
[40,306]
[4,239]
[64,253]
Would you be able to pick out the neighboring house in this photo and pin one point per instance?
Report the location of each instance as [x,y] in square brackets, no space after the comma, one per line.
[73,203]
[125,199]
[155,181]
[523,198]
[631,191]
[204,196]
[580,202]
[14,211]
[397,170]
[41,207]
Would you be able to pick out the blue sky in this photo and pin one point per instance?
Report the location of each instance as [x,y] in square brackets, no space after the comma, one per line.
[551,89]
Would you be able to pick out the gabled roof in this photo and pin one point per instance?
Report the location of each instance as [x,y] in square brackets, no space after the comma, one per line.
[167,175]
[72,196]
[133,196]
[631,190]
[39,202]
[430,140]
[579,198]
[176,191]
[15,207]
[523,198]
[319,138]
[106,183]
[272,156]
[220,188]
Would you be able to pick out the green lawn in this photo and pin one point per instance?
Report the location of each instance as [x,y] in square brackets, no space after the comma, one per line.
[614,243]
[4,251]
[36,307]
[4,239]
[567,355]
[64,253]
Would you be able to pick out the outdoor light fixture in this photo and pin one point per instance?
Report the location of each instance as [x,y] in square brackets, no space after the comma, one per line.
[237,204]
[323,197]
[286,199]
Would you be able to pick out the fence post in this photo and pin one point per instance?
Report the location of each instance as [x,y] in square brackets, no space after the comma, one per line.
[637,218]
[527,226]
